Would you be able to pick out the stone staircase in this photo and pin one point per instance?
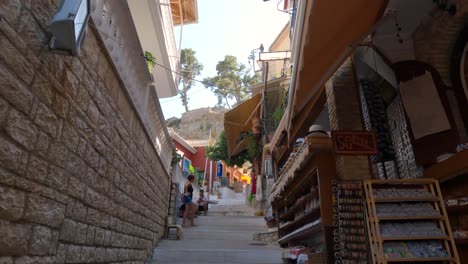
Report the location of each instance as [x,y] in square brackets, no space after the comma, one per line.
[224,236]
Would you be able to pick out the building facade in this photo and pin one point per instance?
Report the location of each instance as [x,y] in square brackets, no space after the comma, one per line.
[84,152]
[398,71]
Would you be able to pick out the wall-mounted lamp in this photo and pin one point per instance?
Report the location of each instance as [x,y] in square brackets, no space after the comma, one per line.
[68,27]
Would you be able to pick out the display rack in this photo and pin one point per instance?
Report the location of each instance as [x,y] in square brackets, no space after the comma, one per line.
[407,222]
[302,199]
[350,239]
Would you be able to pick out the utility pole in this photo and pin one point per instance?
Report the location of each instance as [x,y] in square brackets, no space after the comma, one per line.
[265,103]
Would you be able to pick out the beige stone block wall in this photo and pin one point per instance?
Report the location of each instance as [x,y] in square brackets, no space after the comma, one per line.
[345,114]
[80,182]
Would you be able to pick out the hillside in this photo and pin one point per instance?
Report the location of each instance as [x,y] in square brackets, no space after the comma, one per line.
[197,123]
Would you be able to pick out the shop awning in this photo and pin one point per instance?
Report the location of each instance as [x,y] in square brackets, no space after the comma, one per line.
[184,12]
[238,121]
[331,31]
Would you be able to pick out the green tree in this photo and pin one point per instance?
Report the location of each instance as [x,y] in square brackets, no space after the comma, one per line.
[190,68]
[232,82]
[219,151]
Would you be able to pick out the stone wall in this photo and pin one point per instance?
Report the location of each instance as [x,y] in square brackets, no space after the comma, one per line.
[269,237]
[80,181]
[345,114]
[434,43]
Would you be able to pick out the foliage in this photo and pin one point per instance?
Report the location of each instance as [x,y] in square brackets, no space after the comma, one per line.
[189,69]
[278,114]
[150,60]
[232,82]
[219,151]
[173,122]
[253,148]
[176,157]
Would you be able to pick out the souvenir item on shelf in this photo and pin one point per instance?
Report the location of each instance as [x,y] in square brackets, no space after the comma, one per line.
[460,234]
[414,249]
[317,131]
[349,223]
[393,192]
[406,209]
[443,157]
[462,147]
[410,228]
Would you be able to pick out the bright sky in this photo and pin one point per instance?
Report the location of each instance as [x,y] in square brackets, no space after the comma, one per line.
[225,27]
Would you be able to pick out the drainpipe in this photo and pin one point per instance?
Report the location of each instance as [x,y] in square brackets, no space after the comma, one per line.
[265,107]
[180,34]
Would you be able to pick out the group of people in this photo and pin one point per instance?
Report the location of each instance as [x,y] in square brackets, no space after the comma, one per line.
[192,208]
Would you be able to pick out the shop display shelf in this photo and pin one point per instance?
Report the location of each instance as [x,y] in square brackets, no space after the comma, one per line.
[374,221]
[410,217]
[314,213]
[461,241]
[304,231]
[402,238]
[457,209]
[449,168]
[406,199]
[420,259]
[297,207]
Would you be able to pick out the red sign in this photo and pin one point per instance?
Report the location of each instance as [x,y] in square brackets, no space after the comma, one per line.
[354,143]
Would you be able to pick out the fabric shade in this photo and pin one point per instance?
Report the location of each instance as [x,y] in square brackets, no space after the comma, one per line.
[189,11]
[331,30]
[239,120]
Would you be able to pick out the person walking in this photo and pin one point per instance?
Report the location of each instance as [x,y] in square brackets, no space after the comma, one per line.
[190,206]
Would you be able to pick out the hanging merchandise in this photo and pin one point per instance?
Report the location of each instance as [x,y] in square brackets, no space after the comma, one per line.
[398,29]
[350,236]
[375,119]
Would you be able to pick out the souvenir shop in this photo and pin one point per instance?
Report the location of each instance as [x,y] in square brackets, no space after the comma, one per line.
[373,168]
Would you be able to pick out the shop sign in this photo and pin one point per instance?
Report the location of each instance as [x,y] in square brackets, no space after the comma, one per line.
[219,169]
[354,143]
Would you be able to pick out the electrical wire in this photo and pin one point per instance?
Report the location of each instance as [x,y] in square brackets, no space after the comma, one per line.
[165,67]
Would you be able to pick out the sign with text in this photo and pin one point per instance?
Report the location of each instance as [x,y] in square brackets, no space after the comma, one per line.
[354,143]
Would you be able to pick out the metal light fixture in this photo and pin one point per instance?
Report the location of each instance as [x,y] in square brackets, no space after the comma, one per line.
[68,27]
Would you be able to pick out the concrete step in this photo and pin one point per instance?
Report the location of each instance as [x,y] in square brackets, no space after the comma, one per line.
[217,256]
[231,213]
[214,244]
[219,235]
[219,219]
[230,227]
[203,262]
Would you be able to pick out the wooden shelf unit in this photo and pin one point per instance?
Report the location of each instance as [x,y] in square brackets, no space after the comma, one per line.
[452,174]
[374,220]
[310,176]
[449,168]
[457,209]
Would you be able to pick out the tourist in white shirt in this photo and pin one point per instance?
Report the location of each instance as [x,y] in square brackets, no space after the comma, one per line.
[203,202]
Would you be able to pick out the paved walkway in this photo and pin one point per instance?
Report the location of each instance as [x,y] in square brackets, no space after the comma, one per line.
[223,236]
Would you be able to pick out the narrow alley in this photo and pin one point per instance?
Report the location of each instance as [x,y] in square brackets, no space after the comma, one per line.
[309,131]
[224,235]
